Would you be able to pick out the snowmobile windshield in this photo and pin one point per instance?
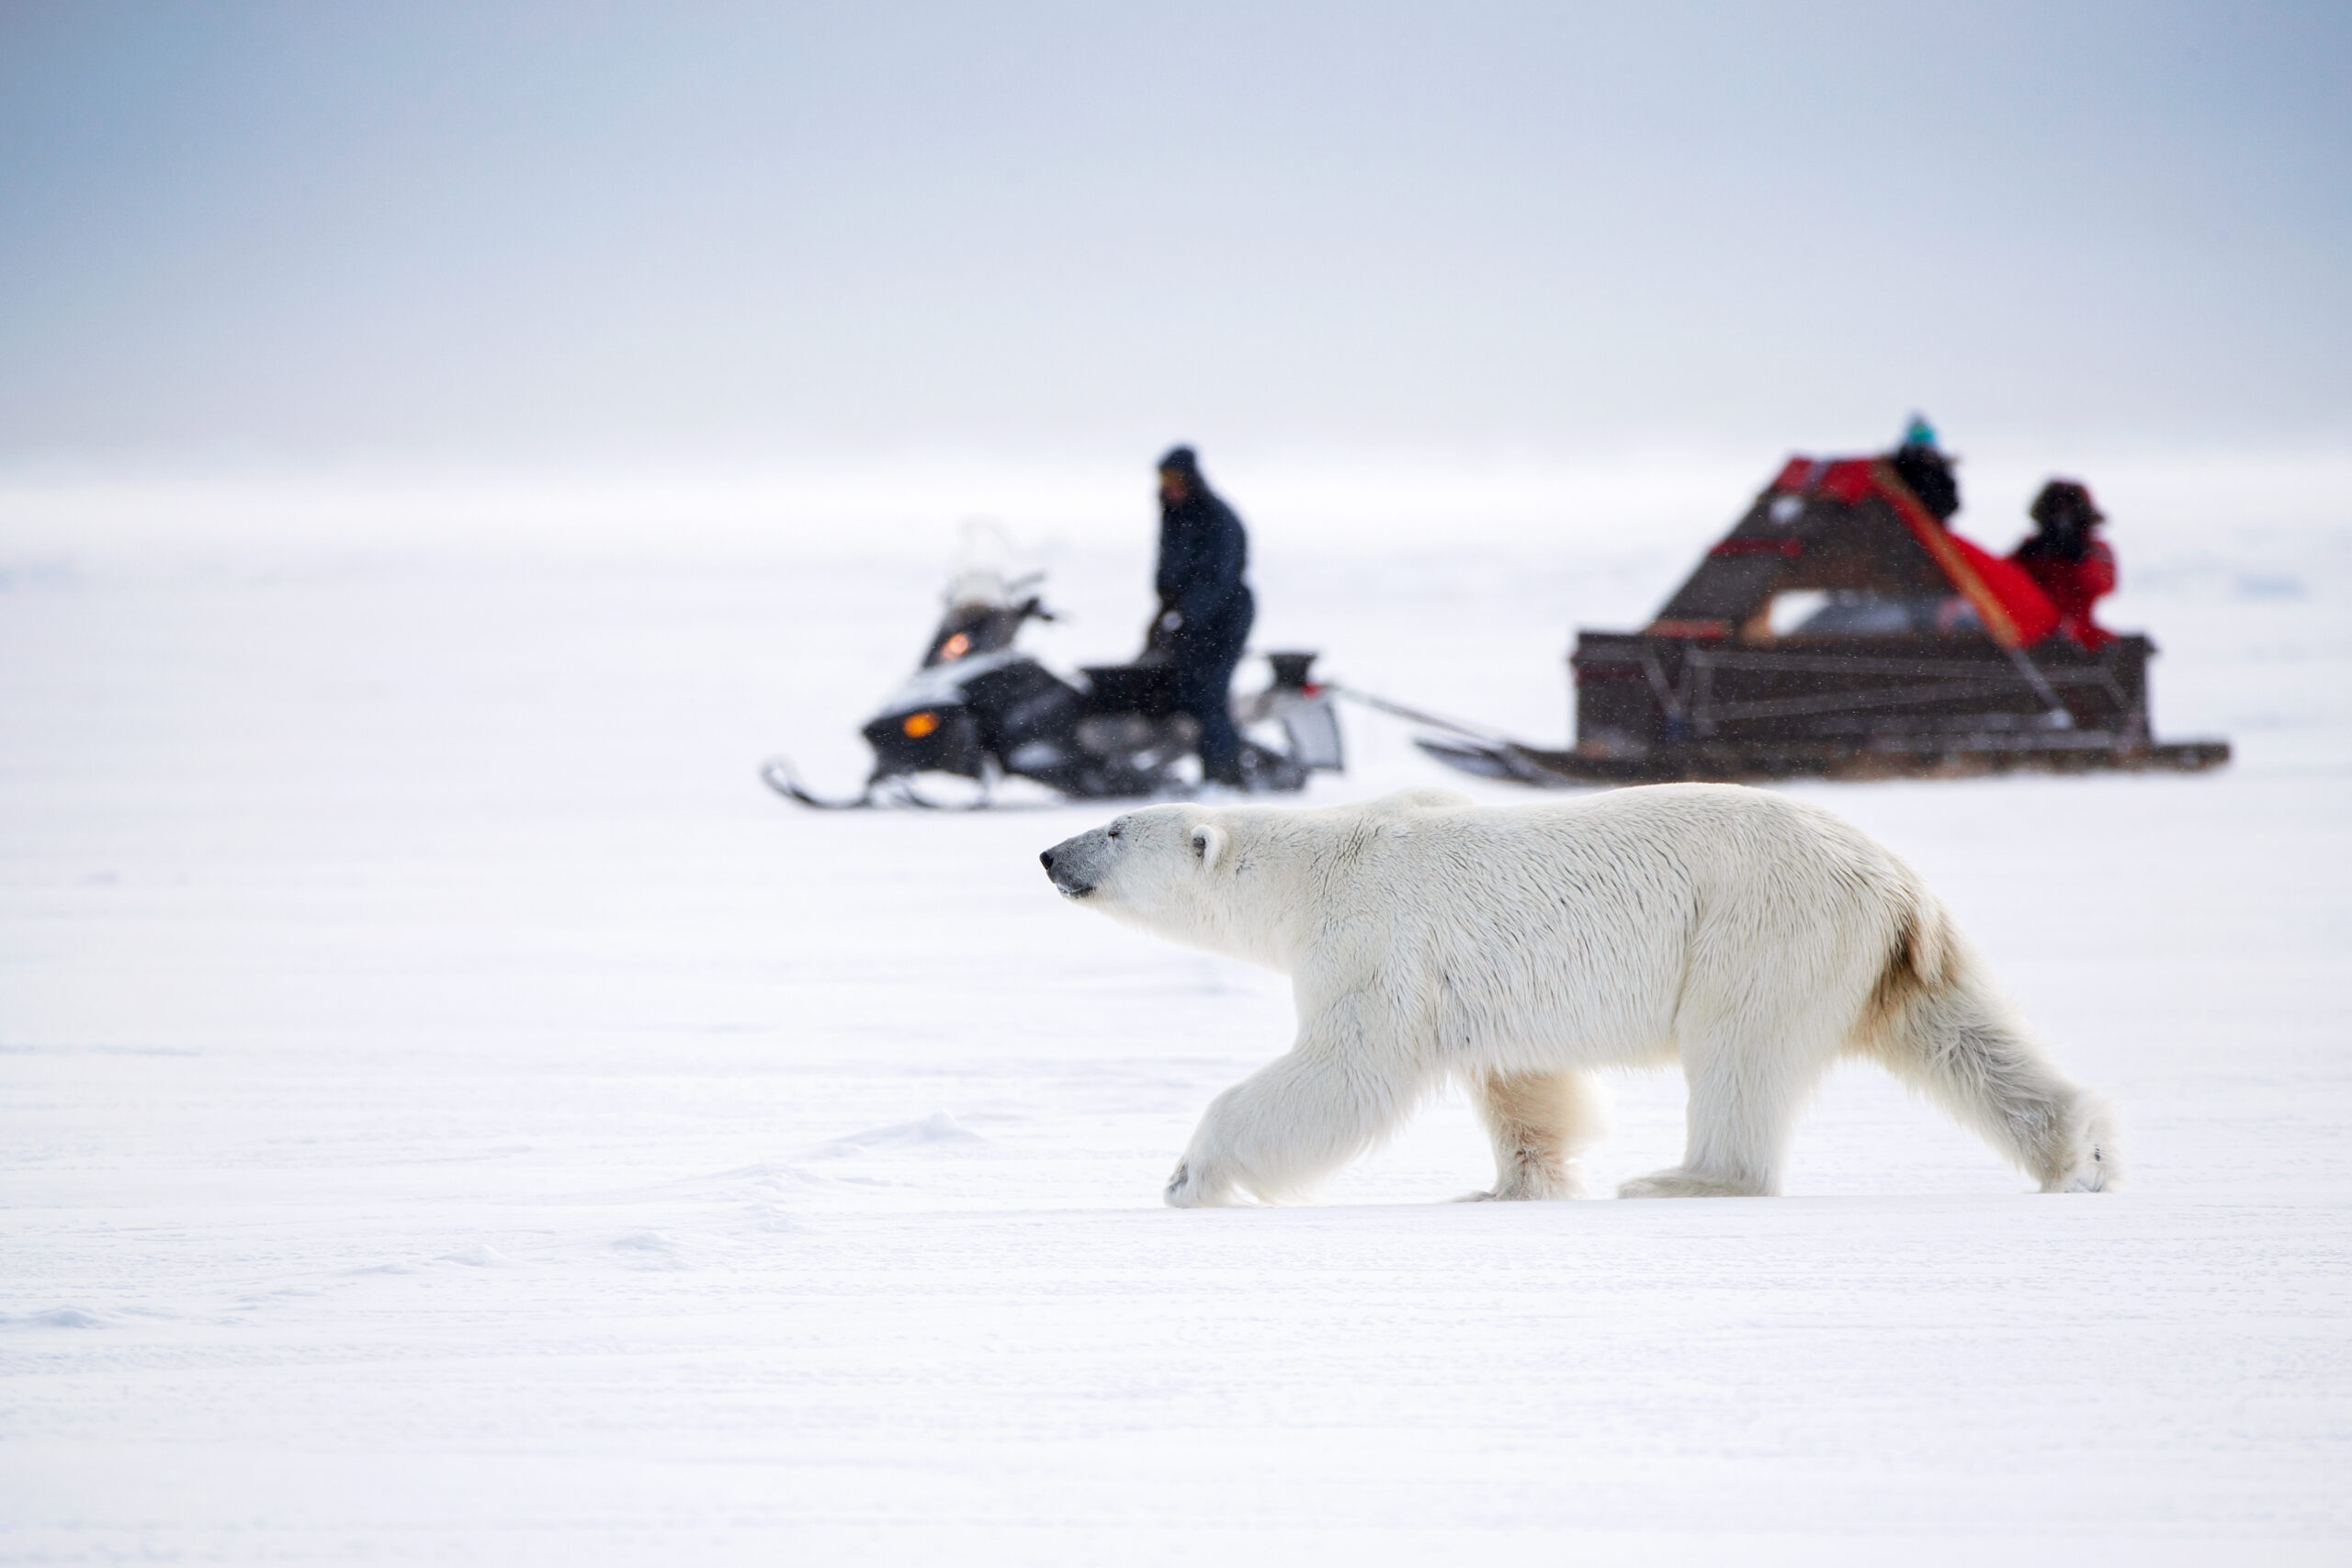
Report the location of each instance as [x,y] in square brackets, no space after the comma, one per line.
[987,571]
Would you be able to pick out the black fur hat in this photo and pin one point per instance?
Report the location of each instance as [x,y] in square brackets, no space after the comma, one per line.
[1181,460]
[2066,503]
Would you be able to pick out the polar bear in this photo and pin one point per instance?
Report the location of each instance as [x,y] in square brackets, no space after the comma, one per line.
[1516,949]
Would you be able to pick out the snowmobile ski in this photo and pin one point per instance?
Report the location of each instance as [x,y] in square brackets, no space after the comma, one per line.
[777,775]
[890,792]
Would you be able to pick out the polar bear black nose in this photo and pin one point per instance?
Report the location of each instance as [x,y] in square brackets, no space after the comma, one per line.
[1065,866]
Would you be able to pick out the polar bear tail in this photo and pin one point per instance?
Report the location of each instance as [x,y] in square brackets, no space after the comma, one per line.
[1939,1023]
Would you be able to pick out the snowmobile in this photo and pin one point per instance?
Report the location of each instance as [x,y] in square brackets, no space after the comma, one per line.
[980,708]
[1840,630]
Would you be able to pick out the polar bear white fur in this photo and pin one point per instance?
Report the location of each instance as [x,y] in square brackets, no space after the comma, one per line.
[1516,949]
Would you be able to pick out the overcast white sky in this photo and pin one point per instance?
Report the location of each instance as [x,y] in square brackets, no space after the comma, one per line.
[583,233]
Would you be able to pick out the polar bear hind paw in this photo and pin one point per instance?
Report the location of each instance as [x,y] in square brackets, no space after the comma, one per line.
[1485,1197]
[1528,1186]
[2096,1170]
[1681,1183]
[1187,1190]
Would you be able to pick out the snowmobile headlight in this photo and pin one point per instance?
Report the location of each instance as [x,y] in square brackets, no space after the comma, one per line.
[918,724]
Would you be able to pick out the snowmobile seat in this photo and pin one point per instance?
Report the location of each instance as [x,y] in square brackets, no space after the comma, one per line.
[1147,690]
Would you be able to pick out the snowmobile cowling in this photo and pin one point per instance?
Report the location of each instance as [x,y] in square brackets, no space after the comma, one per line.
[979,707]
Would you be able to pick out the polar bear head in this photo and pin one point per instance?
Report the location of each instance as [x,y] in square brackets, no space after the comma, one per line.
[1201,875]
[1249,882]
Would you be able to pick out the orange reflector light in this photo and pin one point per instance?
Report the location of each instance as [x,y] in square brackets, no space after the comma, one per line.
[954,648]
[918,724]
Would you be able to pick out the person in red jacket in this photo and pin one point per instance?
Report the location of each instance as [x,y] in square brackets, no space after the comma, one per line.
[2067,560]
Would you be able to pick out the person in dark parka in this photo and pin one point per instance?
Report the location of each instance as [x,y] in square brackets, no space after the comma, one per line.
[2067,560]
[1926,470]
[1205,608]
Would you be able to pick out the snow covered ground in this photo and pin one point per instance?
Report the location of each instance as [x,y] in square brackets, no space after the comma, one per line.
[449,1111]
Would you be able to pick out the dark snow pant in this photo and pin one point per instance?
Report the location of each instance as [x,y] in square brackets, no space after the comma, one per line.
[1204,667]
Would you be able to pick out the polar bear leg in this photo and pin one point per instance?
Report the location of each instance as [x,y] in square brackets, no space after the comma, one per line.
[1748,1083]
[1287,1125]
[1962,1046]
[1540,1123]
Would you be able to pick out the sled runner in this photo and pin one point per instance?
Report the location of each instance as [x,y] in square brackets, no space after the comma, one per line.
[1841,631]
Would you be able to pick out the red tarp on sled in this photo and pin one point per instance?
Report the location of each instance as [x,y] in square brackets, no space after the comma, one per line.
[1850,523]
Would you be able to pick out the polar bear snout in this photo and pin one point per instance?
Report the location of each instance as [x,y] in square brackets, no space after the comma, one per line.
[1073,864]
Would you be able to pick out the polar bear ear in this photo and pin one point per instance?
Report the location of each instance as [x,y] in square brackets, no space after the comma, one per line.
[1208,845]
